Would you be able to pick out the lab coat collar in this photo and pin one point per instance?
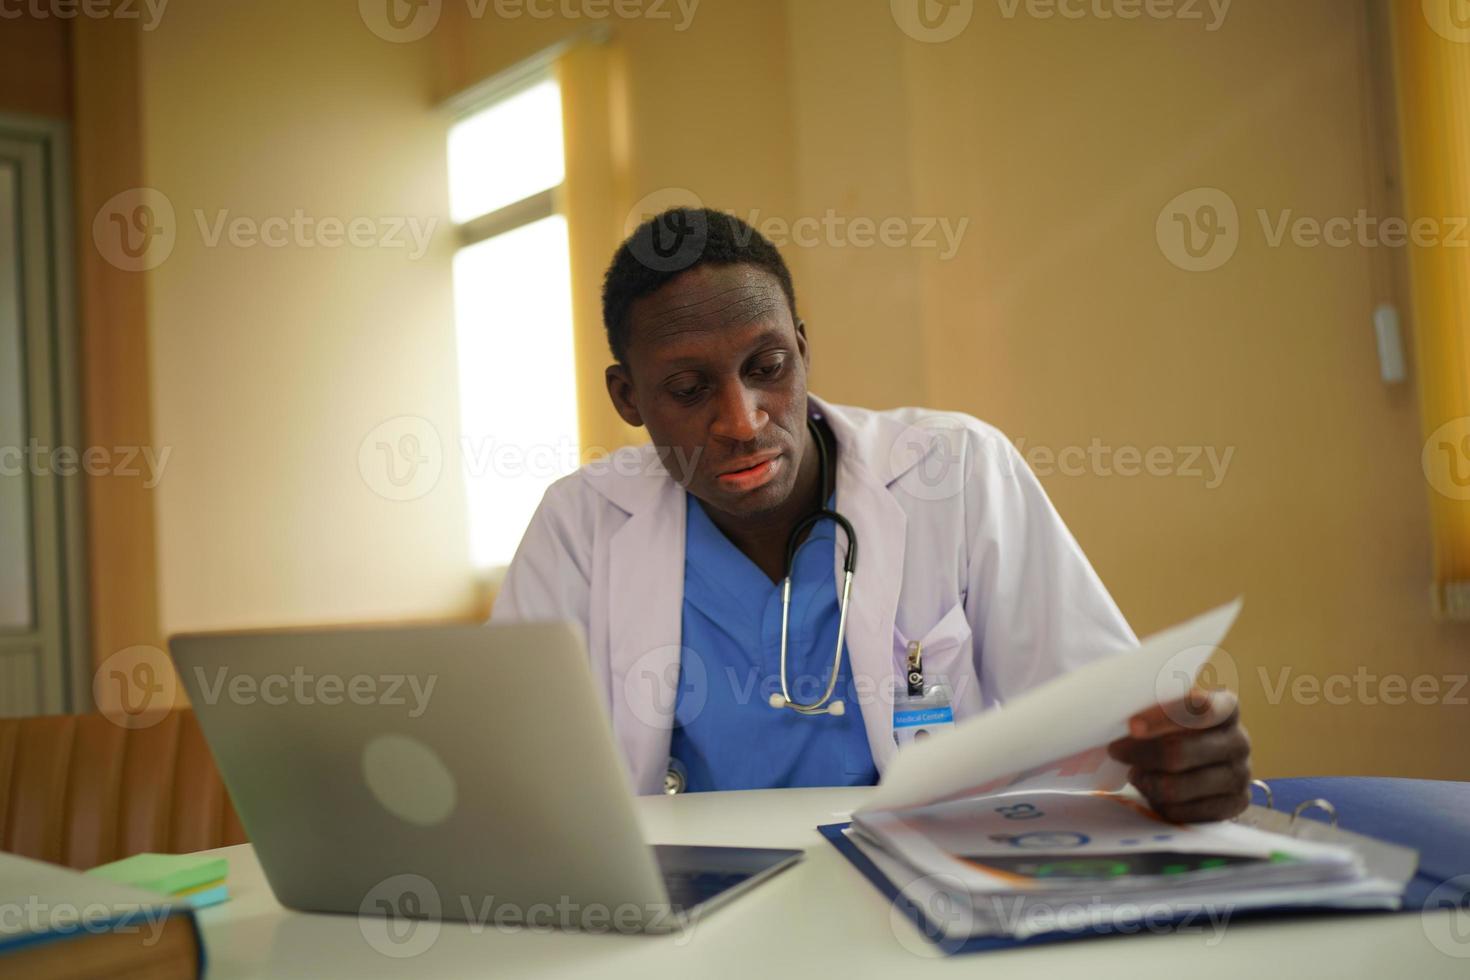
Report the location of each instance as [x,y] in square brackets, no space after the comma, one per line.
[875,442]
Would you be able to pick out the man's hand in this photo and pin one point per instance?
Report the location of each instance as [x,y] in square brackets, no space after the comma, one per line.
[1190,759]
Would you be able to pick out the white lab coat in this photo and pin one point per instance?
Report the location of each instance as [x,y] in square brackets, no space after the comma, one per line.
[958,547]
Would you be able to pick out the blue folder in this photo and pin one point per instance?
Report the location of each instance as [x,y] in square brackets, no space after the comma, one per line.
[1431,816]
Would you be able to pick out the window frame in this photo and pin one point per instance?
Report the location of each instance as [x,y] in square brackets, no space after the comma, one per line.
[528,210]
[533,207]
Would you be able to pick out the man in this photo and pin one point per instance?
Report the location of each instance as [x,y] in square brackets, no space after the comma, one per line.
[671,556]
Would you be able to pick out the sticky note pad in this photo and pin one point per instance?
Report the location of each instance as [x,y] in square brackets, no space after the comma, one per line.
[164,873]
[207,886]
[207,897]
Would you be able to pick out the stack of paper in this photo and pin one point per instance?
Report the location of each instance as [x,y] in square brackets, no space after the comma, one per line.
[1017,823]
[1029,863]
[192,879]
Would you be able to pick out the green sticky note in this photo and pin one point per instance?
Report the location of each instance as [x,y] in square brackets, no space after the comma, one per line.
[164,873]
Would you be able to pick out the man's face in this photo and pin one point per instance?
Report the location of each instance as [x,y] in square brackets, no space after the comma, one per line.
[716,369]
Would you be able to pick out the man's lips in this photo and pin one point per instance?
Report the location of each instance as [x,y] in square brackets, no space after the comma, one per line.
[751,472]
[749,462]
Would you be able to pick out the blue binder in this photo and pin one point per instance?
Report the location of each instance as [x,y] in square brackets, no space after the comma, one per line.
[1431,816]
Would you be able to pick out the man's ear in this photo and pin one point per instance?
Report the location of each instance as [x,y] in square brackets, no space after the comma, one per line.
[620,390]
[801,344]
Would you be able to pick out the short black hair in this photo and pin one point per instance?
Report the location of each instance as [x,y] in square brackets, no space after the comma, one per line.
[670,244]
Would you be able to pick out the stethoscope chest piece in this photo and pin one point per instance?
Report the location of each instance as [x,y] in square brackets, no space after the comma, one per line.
[675,782]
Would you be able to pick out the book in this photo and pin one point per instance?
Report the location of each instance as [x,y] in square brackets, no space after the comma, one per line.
[61,923]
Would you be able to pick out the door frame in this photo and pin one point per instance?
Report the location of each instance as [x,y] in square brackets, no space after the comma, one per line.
[50,207]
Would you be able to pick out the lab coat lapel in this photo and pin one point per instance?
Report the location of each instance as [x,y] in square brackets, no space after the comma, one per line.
[881,529]
[646,593]
[863,474]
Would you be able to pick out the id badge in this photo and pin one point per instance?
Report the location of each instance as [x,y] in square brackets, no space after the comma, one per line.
[921,705]
[919,717]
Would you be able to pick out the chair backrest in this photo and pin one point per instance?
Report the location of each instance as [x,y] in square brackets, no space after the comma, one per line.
[80,790]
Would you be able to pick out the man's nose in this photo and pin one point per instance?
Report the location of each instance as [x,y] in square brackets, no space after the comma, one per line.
[737,416]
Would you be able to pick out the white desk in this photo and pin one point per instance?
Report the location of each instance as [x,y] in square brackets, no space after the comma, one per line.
[816,919]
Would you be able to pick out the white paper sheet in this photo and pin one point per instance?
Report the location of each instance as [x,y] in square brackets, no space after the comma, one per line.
[1022,745]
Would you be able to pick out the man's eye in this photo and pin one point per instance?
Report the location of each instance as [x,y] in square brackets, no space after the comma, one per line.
[685,394]
[768,370]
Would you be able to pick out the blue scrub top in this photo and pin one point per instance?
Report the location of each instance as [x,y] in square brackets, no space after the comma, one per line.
[726,735]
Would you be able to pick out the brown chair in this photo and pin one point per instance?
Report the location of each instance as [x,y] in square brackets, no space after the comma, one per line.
[80,790]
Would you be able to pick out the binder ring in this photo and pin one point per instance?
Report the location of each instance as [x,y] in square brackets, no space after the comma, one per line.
[1317,804]
[1260,784]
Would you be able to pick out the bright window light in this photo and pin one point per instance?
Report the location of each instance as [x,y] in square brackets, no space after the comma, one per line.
[518,397]
[507,152]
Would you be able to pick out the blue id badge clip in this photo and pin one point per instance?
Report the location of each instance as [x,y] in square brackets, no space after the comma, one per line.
[920,707]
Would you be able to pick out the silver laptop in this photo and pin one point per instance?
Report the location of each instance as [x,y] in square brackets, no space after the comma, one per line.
[452,772]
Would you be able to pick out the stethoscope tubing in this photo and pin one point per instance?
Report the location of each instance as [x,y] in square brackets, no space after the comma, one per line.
[849,566]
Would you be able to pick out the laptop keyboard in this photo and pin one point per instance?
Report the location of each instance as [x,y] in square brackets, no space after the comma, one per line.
[695,874]
[688,889]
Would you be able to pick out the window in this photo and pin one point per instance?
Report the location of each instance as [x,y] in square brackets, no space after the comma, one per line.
[513,312]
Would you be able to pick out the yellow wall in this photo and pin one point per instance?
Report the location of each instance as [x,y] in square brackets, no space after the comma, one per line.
[1063,323]
[1059,318]
[272,365]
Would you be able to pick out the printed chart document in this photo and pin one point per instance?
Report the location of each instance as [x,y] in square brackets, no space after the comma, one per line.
[1017,822]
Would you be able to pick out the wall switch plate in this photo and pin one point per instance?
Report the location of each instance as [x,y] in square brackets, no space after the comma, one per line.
[1390,343]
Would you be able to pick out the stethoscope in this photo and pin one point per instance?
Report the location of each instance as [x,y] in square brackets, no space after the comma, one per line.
[824,705]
